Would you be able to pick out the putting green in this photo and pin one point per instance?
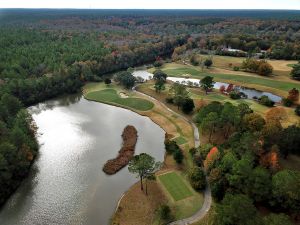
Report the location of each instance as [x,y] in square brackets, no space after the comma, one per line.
[111,96]
[175,186]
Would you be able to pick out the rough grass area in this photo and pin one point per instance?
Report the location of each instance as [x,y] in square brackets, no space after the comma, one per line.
[242,80]
[111,96]
[278,84]
[175,186]
[138,208]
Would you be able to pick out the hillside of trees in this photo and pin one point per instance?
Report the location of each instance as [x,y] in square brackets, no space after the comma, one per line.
[46,53]
[244,170]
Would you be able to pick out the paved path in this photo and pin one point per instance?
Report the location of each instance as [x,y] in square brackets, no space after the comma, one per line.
[207,192]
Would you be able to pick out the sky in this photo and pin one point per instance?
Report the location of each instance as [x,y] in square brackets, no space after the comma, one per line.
[153,4]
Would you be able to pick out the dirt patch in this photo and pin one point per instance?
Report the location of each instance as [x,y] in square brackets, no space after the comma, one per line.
[126,153]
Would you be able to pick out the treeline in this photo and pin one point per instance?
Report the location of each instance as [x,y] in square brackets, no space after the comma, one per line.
[244,170]
[18,145]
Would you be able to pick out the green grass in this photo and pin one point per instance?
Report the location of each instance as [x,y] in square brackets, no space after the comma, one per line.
[180,140]
[244,80]
[111,96]
[175,186]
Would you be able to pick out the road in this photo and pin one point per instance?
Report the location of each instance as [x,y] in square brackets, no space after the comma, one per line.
[207,192]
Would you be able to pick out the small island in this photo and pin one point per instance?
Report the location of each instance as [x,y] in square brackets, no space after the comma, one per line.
[126,153]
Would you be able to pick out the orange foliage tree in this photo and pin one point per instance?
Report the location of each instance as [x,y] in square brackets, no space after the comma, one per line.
[270,160]
[276,114]
[211,158]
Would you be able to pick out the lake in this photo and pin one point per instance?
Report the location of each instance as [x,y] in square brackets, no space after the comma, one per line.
[66,184]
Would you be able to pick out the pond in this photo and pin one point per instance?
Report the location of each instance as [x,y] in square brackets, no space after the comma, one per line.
[66,184]
[195,82]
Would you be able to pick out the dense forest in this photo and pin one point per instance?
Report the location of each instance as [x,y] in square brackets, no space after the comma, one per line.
[244,171]
[45,53]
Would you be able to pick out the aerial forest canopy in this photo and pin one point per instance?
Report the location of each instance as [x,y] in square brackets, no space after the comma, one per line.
[46,53]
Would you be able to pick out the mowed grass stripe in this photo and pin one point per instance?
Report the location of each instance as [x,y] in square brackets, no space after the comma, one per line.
[175,186]
[111,96]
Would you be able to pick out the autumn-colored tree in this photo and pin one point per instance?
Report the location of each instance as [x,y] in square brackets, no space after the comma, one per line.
[199,103]
[270,160]
[276,114]
[294,95]
[211,157]
[265,69]
[271,132]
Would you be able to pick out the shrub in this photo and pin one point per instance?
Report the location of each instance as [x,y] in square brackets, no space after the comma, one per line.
[235,95]
[107,81]
[264,100]
[208,63]
[171,146]
[170,100]
[287,102]
[295,73]
[164,212]
[294,95]
[158,63]
[197,178]
[187,105]
[265,69]
[236,68]
[297,110]
[178,156]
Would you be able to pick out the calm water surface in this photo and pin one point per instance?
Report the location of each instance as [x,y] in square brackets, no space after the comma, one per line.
[66,184]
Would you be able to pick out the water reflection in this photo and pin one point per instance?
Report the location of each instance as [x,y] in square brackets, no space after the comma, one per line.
[66,184]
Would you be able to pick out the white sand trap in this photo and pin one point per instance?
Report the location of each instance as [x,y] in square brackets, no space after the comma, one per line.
[123,95]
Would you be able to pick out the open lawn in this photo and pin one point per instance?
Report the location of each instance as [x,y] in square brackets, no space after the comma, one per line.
[175,186]
[279,85]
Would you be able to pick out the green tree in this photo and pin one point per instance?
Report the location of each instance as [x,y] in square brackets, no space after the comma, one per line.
[295,73]
[143,165]
[187,105]
[244,109]
[236,209]
[197,178]
[277,219]
[207,83]
[107,81]
[178,155]
[159,85]
[230,118]
[286,190]
[179,93]
[259,184]
[253,122]
[209,124]
[208,62]
[290,141]
[160,75]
